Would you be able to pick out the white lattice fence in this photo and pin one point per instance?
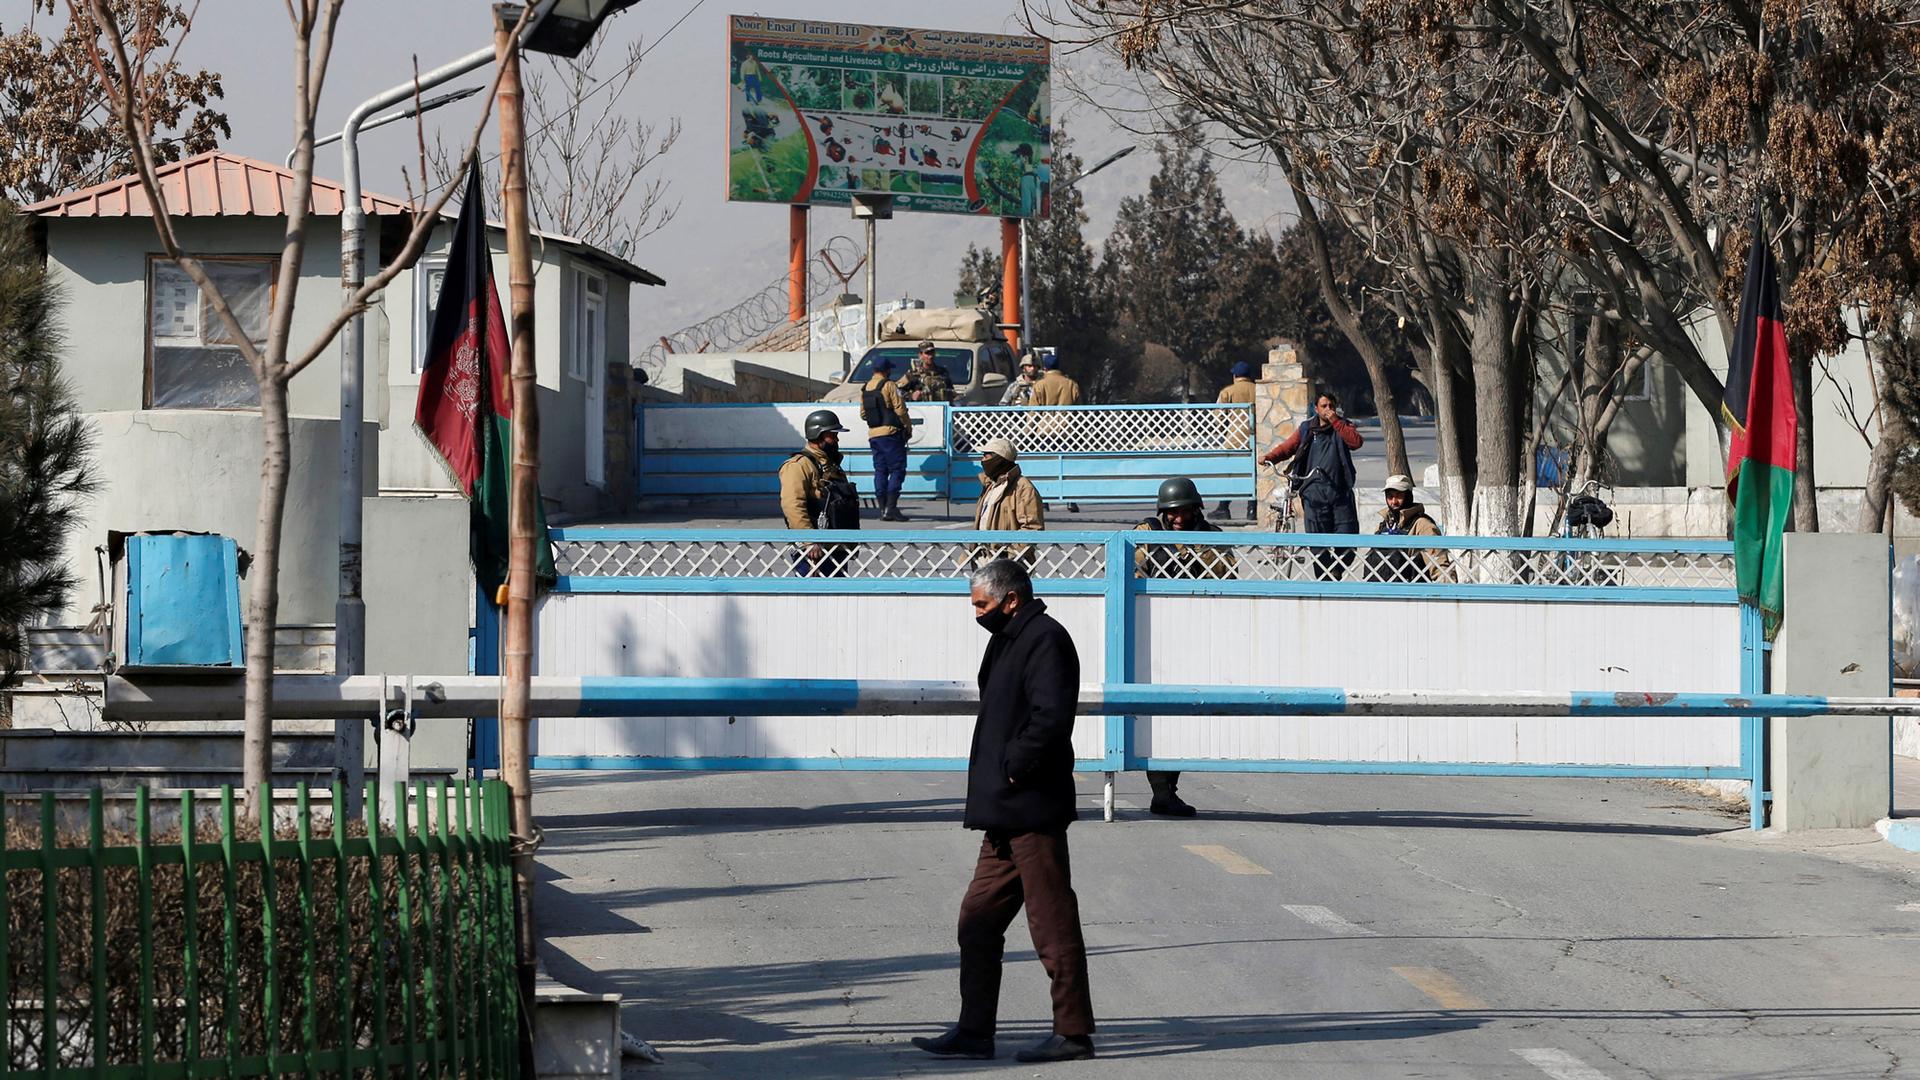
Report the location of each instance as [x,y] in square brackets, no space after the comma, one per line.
[1461,565]
[1105,430]
[789,558]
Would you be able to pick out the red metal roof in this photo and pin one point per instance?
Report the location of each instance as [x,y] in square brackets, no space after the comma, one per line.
[214,184]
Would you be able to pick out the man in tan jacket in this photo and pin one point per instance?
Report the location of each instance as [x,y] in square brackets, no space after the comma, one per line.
[1240,435]
[815,494]
[1404,516]
[1008,503]
[1055,386]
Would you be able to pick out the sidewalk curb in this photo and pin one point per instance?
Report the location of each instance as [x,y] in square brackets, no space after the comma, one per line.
[1903,833]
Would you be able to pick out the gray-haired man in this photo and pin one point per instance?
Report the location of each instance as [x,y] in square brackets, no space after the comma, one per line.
[1020,793]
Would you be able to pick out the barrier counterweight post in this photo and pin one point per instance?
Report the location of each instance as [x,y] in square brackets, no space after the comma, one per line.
[1753,729]
[1118,658]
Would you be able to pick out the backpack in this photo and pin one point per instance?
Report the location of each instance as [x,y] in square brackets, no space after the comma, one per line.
[839,503]
[873,408]
[1584,509]
[839,506]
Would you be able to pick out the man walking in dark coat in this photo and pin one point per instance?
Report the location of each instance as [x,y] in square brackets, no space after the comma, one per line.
[1020,792]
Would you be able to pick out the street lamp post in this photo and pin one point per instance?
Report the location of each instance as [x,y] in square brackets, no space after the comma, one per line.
[350,609]
[1026,261]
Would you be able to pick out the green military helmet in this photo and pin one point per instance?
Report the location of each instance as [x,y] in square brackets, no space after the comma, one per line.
[821,422]
[1177,493]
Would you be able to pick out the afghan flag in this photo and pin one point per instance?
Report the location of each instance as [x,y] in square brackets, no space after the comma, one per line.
[1760,454]
[465,408]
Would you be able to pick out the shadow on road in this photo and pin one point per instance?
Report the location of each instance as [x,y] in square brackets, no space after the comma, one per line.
[1459,819]
[707,820]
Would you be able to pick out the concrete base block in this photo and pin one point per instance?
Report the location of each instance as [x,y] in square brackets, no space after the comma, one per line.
[576,1034]
[1831,772]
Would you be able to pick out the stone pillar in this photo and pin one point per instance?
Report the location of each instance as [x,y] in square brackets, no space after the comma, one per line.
[1281,399]
[1830,772]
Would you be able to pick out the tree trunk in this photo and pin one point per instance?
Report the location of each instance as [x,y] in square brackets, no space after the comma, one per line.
[1806,508]
[1455,491]
[1496,492]
[263,602]
[1350,325]
[1875,498]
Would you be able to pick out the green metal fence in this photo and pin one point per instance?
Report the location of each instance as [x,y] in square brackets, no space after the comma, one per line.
[164,940]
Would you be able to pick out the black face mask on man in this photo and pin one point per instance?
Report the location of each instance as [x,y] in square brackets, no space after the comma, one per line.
[994,620]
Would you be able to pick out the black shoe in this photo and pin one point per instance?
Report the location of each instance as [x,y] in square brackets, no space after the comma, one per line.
[957,1043]
[1058,1048]
[1223,510]
[897,515]
[1171,806]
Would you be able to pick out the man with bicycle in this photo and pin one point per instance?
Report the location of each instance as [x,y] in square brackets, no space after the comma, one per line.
[1322,473]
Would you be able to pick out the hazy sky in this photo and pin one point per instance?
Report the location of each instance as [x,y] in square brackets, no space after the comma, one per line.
[714,253]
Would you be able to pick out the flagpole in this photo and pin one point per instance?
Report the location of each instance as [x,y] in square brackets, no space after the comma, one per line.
[516,668]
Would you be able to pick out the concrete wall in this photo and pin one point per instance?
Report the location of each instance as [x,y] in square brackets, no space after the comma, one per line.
[1648,436]
[1839,453]
[199,470]
[409,464]
[101,265]
[1831,772]
[419,594]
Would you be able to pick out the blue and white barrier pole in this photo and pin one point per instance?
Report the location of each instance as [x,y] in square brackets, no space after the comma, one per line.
[307,697]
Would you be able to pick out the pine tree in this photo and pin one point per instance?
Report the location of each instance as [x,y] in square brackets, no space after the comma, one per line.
[45,447]
[979,280]
[1185,273]
[1073,309]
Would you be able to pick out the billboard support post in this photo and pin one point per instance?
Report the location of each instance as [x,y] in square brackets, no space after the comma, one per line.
[872,208]
[797,263]
[873,298]
[1013,308]
[1026,287]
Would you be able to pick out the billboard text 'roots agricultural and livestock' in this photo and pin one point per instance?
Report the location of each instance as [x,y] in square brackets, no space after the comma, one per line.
[948,122]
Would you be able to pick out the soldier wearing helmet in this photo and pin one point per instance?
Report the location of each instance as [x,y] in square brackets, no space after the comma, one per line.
[815,492]
[1178,508]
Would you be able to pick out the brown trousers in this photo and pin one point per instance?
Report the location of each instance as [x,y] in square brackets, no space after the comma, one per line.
[1029,868]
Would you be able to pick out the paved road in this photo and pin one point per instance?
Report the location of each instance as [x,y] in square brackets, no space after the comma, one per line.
[800,925]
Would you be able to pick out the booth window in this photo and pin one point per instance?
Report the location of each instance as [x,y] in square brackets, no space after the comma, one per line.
[192,359]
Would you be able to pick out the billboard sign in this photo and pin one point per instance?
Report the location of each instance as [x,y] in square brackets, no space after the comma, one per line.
[947,122]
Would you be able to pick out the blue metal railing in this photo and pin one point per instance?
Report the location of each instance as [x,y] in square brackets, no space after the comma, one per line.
[1090,454]
[1120,568]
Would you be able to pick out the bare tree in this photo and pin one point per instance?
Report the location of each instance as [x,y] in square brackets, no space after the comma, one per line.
[590,164]
[1630,141]
[58,131]
[275,363]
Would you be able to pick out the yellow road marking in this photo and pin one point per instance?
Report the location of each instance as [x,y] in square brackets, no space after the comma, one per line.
[1228,859]
[1439,986]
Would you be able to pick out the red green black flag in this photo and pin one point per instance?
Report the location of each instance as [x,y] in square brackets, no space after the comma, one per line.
[1760,454]
[465,408]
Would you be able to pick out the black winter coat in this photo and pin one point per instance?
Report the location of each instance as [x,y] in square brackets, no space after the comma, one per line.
[1020,771]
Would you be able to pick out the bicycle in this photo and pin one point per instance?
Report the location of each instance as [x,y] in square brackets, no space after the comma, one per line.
[1584,517]
[1285,502]
[1286,511]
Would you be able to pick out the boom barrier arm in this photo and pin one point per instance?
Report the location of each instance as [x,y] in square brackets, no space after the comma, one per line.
[315,697]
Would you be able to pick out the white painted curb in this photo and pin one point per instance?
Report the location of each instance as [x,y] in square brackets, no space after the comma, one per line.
[1903,833]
